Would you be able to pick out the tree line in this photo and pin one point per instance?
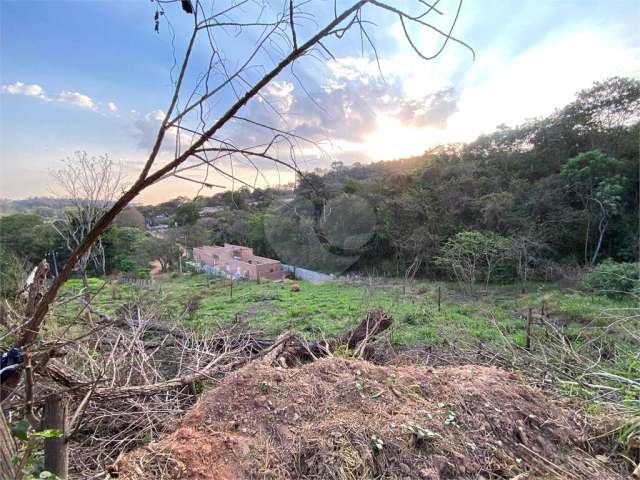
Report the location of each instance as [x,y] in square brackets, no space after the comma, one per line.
[522,202]
[527,201]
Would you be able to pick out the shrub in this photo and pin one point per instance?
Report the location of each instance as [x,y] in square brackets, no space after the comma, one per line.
[614,279]
[126,265]
[143,274]
[12,273]
[476,256]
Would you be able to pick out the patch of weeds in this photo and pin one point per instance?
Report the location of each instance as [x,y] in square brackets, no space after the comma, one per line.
[629,437]
[420,435]
[363,389]
[343,351]
[359,382]
[377,443]
[264,386]
[451,418]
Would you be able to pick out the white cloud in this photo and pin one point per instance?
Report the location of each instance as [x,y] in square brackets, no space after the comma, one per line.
[539,80]
[20,88]
[73,98]
[280,93]
[76,98]
[157,115]
[35,90]
[146,131]
[352,68]
[499,87]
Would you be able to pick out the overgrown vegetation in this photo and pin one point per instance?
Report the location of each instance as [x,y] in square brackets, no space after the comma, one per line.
[562,189]
[617,280]
[506,217]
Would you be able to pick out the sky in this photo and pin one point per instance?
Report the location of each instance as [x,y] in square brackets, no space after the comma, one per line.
[94,76]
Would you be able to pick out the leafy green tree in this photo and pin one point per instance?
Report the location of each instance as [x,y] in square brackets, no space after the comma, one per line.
[27,236]
[164,250]
[130,217]
[12,273]
[596,180]
[187,214]
[122,246]
[471,256]
[615,280]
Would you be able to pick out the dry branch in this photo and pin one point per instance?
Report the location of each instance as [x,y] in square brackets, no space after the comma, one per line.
[292,350]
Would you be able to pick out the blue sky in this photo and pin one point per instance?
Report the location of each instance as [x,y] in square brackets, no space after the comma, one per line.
[94,76]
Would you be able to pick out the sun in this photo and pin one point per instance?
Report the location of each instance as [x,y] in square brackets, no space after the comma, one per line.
[392,139]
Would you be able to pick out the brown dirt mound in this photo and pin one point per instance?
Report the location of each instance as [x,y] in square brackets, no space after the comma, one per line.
[346,419]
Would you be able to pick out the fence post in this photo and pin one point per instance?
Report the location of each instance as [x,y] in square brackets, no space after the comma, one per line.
[56,456]
[439,297]
[528,339]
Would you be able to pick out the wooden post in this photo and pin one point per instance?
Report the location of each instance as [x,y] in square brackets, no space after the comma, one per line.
[56,456]
[7,449]
[439,297]
[231,288]
[528,339]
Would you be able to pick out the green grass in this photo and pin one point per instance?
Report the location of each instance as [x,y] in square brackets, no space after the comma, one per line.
[491,321]
[327,308]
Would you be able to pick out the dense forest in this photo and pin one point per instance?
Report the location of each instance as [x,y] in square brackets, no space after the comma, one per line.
[557,191]
[529,201]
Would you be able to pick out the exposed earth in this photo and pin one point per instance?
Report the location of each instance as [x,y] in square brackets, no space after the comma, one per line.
[337,418]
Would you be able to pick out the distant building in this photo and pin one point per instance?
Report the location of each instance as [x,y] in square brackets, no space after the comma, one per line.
[239,262]
[158,231]
[208,211]
[160,219]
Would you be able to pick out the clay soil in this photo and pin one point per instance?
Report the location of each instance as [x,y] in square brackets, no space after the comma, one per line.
[346,419]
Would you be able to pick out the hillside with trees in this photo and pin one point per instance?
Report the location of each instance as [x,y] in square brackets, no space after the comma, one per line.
[555,192]
[544,197]
[472,312]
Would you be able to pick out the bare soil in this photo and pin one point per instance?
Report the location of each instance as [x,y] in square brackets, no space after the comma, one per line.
[345,419]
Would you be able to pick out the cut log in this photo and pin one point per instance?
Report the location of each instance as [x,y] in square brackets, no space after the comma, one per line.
[56,455]
[294,351]
[62,374]
[31,295]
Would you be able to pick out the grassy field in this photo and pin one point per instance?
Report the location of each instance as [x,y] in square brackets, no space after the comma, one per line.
[327,308]
[586,330]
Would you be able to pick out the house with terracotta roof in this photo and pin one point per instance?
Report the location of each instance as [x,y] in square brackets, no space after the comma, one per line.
[238,262]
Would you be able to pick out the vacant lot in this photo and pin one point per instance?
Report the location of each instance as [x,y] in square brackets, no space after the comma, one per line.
[491,318]
[584,346]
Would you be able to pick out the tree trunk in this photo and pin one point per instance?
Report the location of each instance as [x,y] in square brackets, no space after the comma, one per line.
[85,285]
[7,449]
[56,456]
[586,238]
[602,228]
